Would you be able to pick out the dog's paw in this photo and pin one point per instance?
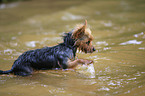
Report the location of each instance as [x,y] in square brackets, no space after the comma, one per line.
[89,61]
[86,61]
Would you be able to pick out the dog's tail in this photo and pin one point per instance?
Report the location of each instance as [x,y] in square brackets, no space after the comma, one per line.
[6,72]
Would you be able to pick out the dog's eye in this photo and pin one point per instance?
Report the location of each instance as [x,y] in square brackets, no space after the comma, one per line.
[88,42]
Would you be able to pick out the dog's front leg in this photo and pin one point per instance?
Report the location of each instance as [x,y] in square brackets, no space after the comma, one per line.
[73,64]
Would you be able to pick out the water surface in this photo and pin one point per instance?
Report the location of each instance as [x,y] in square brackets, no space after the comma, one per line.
[118,27]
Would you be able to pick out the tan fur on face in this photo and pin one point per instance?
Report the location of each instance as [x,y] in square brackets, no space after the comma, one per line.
[81,30]
[82,34]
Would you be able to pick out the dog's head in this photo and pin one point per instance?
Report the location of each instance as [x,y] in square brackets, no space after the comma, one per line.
[83,38]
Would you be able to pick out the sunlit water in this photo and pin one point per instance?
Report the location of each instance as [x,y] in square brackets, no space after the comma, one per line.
[118,27]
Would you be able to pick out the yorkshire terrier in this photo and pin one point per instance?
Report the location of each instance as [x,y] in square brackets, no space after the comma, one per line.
[61,56]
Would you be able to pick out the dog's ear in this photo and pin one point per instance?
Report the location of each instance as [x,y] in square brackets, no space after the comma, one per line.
[80,31]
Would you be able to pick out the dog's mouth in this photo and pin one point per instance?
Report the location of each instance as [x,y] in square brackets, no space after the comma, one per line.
[88,50]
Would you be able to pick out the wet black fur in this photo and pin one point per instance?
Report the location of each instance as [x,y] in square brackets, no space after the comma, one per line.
[45,58]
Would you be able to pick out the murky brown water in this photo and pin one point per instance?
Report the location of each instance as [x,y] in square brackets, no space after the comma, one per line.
[118,27]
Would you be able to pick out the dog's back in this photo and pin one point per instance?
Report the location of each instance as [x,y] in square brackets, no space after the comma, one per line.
[42,59]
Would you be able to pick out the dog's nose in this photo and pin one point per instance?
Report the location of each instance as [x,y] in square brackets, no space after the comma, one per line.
[94,49]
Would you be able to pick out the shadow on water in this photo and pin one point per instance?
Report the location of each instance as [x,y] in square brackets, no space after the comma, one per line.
[118,28]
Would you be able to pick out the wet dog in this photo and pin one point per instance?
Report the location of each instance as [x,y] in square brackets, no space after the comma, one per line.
[60,56]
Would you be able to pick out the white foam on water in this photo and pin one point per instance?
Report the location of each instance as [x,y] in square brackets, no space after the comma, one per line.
[104,89]
[87,70]
[139,34]
[8,51]
[31,43]
[102,43]
[106,48]
[131,42]
[132,78]
[141,48]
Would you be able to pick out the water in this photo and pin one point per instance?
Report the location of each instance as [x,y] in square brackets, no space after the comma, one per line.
[118,27]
